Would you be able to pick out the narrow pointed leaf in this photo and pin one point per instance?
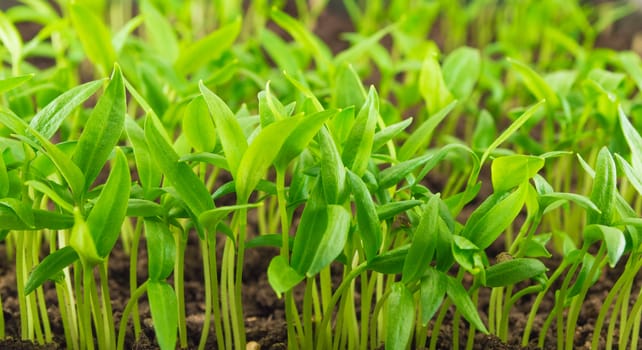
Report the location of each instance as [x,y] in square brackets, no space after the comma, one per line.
[633,139]
[423,243]
[611,236]
[462,69]
[207,49]
[163,306]
[369,226]
[94,37]
[228,128]
[358,146]
[433,291]
[535,83]
[333,173]
[179,175]
[510,171]
[509,272]
[198,126]
[161,249]
[11,83]
[102,130]
[260,155]
[301,136]
[48,120]
[488,221]
[148,175]
[108,213]
[400,315]
[50,267]
[604,189]
[464,304]
[420,138]
[320,238]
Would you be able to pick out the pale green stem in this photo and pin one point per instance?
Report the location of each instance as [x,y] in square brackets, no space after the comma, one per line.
[133,274]
[122,329]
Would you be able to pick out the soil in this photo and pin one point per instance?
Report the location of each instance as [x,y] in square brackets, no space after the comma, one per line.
[264,313]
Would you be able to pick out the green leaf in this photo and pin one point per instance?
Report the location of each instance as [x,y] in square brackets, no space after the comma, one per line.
[281,276]
[159,32]
[387,134]
[422,248]
[461,70]
[432,85]
[433,290]
[107,216]
[491,218]
[148,175]
[611,236]
[48,120]
[348,90]
[179,175]
[301,136]
[511,171]
[389,210]
[94,37]
[333,172]
[420,138]
[210,219]
[369,226]
[102,130]
[82,241]
[161,249]
[464,304]
[229,130]
[144,208]
[400,316]
[208,49]
[320,237]
[313,45]
[393,175]
[578,199]
[163,306]
[11,83]
[69,170]
[4,178]
[633,139]
[198,126]
[260,155]
[279,51]
[390,262]
[485,131]
[509,272]
[535,83]
[358,146]
[604,189]
[511,129]
[22,210]
[50,267]
[42,219]
[10,38]
[208,158]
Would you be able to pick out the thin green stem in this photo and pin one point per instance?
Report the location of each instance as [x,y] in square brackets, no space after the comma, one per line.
[633,322]
[179,286]
[95,308]
[108,318]
[291,312]
[216,306]
[85,308]
[133,274]
[345,283]
[208,296]
[239,328]
[122,329]
[576,305]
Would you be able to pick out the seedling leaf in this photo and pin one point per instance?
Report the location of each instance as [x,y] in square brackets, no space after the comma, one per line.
[423,243]
[433,290]
[511,171]
[281,276]
[400,313]
[50,267]
[103,129]
[369,226]
[163,306]
[464,304]
[512,271]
